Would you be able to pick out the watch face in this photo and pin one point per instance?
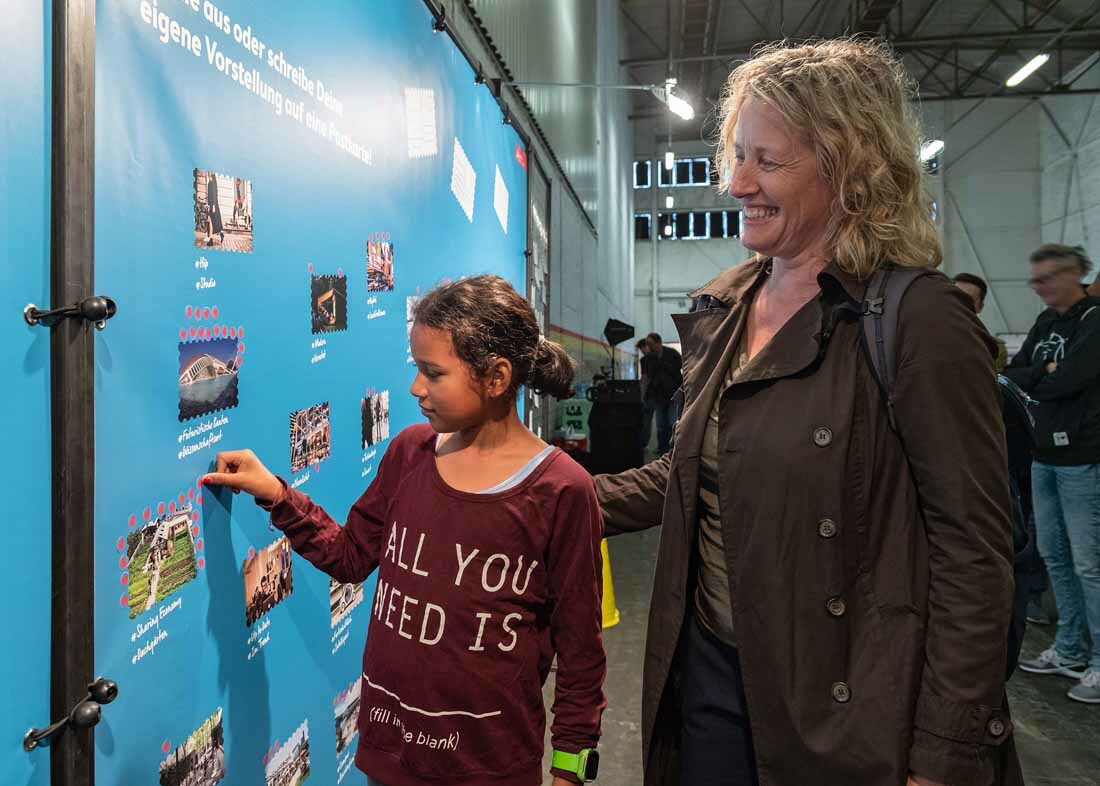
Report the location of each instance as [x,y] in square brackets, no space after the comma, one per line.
[591,765]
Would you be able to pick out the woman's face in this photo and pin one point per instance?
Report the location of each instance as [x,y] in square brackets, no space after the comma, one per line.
[785,203]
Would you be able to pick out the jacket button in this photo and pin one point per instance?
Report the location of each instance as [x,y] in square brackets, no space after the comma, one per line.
[823,436]
[836,606]
[996,727]
[826,528]
[841,692]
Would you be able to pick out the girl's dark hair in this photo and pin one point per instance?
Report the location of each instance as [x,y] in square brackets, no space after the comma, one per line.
[488,319]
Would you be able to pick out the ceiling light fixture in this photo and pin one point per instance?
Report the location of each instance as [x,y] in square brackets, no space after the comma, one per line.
[669,201]
[670,159]
[1030,67]
[931,149]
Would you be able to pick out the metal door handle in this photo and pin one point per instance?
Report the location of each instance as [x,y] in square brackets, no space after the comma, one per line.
[84,715]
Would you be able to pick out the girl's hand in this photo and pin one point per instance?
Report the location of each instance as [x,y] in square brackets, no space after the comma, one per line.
[241,470]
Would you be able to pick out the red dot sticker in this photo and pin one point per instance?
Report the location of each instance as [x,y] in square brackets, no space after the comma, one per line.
[239,361]
[232,332]
[123,562]
[206,333]
[183,335]
[124,601]
[121,543]
[125,579]
[191,332]
[182,498]
[191,495]
[251,552]
[198,499]
[195,516]
[240,347]
[206,313]
[133,520]
[202,563]
[145,514]
[198,543]
[194,531]
[171,507]
[214,312]
[160,509]
[188,312]
[277,745]
[166,747]
[310,266]
[240,332]
[340,272]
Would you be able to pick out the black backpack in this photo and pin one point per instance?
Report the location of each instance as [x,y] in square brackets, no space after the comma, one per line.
[879,329]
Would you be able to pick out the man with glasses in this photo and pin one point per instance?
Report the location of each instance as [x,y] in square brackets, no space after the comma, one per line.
[1059,366]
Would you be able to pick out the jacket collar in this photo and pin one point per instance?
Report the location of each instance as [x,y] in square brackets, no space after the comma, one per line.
[732,285]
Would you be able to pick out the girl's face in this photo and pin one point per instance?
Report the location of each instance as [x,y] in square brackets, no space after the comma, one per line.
[449,395]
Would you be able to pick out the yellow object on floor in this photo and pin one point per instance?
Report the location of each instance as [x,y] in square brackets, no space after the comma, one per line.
[610,610]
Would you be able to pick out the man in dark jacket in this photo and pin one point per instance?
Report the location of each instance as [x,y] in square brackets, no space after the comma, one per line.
[662,366]
[1059,366]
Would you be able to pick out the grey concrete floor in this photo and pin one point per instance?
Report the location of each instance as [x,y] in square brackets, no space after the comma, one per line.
[1058,739]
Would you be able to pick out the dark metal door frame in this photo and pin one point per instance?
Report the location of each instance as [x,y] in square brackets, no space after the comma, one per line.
[72,244]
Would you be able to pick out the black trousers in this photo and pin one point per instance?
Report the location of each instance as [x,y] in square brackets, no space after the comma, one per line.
[715,738]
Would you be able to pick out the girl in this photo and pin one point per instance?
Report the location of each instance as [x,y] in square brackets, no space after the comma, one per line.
[487,544]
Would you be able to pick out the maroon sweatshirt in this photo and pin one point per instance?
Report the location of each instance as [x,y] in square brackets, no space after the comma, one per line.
[476,594]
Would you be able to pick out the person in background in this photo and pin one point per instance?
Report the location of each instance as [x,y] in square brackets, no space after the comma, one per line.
[643,376]
[1059,366]
[976,289]
[665,378]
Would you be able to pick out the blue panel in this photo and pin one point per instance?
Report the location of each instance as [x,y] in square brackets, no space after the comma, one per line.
[25,353]
[283,321]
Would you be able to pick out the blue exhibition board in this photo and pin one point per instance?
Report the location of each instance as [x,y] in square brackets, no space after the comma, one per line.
[274,182]
[25,354]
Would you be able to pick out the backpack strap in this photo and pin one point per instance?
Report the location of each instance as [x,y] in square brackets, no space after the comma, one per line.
[879,322]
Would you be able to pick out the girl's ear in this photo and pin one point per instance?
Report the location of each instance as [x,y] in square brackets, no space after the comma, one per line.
[498,380]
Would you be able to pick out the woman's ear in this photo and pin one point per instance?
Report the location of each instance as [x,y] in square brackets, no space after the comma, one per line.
[498,380]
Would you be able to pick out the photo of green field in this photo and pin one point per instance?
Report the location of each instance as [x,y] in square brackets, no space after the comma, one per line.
[161,559]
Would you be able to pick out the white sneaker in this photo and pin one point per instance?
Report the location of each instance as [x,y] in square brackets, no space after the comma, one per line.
[1088,689]
[1050,662]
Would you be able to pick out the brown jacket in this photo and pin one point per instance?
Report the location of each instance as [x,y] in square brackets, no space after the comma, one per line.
[871,594]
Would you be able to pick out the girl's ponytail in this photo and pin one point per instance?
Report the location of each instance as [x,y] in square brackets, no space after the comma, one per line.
[552,371]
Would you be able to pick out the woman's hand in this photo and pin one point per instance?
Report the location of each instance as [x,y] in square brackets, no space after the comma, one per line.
[917,780]
[241,470]
[562,782]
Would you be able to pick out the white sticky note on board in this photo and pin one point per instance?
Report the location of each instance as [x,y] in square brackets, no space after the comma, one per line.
[420,122]
[500,200]
[463,181]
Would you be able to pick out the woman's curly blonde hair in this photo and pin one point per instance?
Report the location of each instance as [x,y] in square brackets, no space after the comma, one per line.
[849,99]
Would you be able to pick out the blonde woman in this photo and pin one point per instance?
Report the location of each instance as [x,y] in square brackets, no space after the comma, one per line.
[831,597]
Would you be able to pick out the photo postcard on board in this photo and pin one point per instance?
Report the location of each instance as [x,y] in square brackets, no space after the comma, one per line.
[310,436]
[200,760]
[346,709]
[207,376]
[268,580]
[342,599]
[223,211]
[290,764]
[374,413]
[160,559]
[380,266]
[329,303]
